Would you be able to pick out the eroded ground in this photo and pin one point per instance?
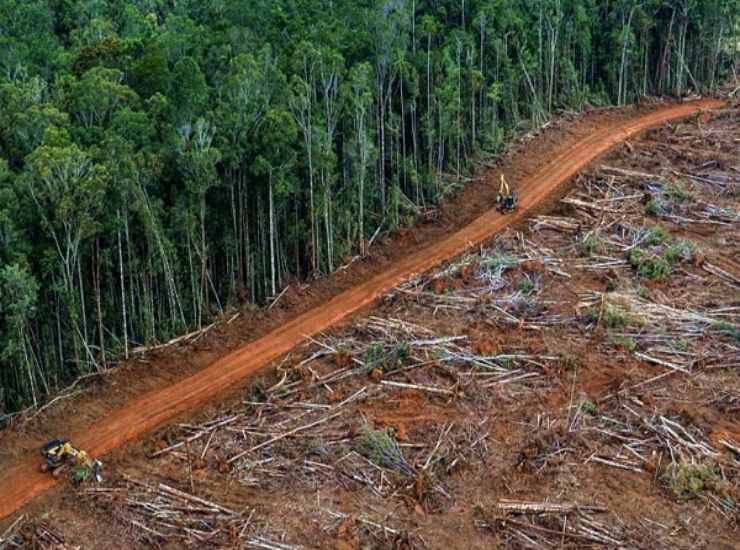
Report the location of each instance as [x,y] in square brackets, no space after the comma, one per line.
[573,384]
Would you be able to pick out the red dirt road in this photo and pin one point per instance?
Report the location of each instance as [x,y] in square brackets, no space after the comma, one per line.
[24,481]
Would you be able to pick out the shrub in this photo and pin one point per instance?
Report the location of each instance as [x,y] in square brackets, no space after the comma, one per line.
[681,345]
[656,235]
[727,329]
[378,356]
[678,252]
[615,317]
[648,265]
[610,315]
[688,480]
[590,244]
[678,193]
[627,343]
[527,286]
[381,448]
[589,407]
[654,207]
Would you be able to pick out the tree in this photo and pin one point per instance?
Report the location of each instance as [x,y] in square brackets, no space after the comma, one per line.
[98,94]
[360,83]
[197,161]
[190,95]
[68,189]
[161,160]
[18,295]
[277,135]
[151,75]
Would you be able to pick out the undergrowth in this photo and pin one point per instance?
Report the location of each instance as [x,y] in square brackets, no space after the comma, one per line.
[659,254]
[381,448]
[688,480]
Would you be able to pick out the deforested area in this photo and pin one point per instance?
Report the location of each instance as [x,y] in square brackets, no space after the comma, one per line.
[572,383]
[164,163]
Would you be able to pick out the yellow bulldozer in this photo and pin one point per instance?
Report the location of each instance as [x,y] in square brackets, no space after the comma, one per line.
[60,455]
[506,199]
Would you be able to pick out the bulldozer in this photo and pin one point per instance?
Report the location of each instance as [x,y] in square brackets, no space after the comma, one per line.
[60,455]
[506,200]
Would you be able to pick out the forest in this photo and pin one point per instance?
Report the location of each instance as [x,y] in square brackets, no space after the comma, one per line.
[162,161]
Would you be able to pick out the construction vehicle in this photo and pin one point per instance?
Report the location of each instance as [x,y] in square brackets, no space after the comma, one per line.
[506,199]
[60,454]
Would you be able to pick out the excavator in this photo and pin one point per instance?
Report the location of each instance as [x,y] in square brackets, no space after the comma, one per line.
[506,199]
[59,453]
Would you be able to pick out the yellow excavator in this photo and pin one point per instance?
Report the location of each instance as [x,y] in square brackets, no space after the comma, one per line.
[506,199]
[60,453]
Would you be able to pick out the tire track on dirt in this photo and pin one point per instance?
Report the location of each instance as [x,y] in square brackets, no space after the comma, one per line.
[24,481]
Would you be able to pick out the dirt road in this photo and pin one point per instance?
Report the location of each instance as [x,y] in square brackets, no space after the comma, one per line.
[23,482]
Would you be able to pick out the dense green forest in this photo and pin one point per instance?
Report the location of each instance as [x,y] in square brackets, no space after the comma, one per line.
[162,160]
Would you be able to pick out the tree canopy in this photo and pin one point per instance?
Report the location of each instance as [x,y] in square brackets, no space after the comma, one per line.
[160,161]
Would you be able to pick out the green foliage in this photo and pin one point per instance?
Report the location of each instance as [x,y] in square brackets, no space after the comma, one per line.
[649,265]
[569,362]
[626,342]
[590,244]
[381,447]
[505,362]
[387,358]
[658,254]
[678,252]
[727,329]
[162,160]
[677,193]
[688,480]
[656,235]
[527,286]
[681,344]
[190,91]
[589,407]
[654,207]
[612,316]
[499,262]
[98,94]
[151,75]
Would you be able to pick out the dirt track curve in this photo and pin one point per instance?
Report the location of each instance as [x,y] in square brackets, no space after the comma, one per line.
[24,481]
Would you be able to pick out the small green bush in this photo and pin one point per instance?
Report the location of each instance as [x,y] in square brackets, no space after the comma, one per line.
[627,343]
[589,407]
[504,362]
[381,448]
[499,261]
[589,244]
[679,252]
[615,317]
[656,235]
[678,193]
[611,316]
[654,207]
[374,355]
[387,358]
[648,265]
[527,286]
[688,480]
[591,315]
[727,329]
[681,344]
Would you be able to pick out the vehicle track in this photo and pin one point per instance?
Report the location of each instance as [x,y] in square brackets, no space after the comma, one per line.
[24,481]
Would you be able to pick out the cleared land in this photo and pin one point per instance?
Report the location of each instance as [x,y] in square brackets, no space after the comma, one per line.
[495,369]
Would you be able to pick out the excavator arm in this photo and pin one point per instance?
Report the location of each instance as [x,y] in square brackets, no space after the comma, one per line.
[506,200]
